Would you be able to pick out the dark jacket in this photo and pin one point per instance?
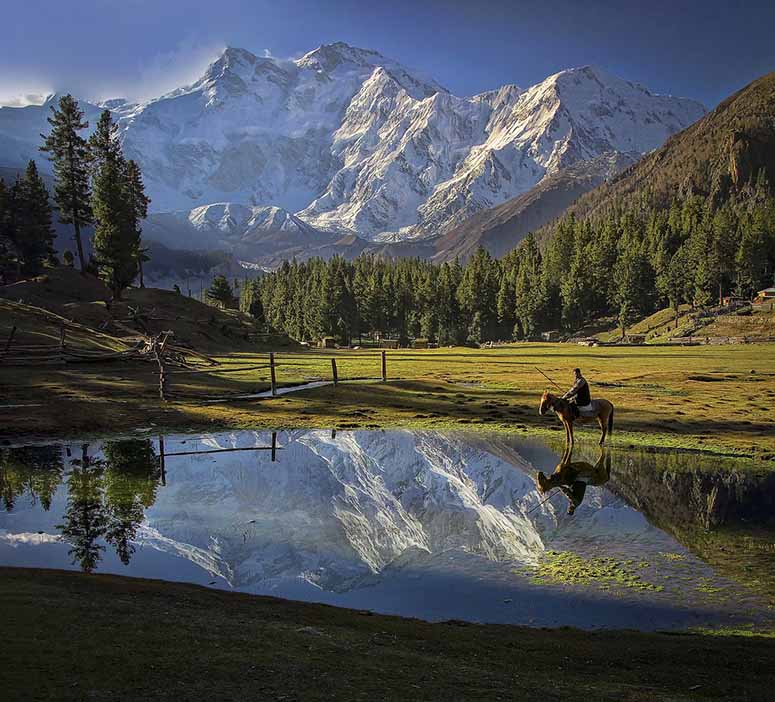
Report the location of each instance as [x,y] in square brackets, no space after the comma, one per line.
[580,391]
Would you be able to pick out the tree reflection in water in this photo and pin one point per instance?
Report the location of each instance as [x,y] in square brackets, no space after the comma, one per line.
[107,498]
[34,470]
[85,520]
[131,479]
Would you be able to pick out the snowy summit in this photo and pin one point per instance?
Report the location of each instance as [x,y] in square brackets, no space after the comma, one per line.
[352,142]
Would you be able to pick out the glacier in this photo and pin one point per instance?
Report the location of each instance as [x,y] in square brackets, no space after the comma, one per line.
[350,142]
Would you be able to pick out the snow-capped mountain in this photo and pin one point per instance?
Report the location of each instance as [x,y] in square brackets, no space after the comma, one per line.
[336,511]
[247,231]
[414,523]
[352,142]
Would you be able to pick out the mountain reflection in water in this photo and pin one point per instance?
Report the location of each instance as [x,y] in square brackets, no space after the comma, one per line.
[416,523]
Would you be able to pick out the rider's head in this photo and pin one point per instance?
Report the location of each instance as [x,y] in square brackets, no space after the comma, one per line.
[577,372]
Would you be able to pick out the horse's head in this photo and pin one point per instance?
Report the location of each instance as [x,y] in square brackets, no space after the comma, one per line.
[546,402]
[543,483]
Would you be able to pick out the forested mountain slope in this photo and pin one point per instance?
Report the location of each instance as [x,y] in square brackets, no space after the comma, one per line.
[689,223]
[692,222]
[715,157]
[501,228]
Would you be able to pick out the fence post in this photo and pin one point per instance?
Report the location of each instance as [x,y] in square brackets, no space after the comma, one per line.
[272,373]
[162,381]
[384,367]
[162,371]
[8,343]
[62,334]
[274,446]
[161,461]
[333,371]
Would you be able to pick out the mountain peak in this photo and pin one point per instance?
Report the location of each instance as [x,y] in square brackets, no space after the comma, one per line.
[590,73]
[232,59]
[234,53]
[328,57]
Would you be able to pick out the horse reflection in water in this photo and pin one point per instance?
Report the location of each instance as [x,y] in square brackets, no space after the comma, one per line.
[573,477]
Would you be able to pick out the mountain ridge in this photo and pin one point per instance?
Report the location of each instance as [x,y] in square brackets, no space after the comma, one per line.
[352,142]
[723,151]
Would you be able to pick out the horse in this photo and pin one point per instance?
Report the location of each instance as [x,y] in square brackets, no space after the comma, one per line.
[573,477]
[567,413]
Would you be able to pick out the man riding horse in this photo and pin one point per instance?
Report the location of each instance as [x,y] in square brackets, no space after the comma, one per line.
[579,395]
[577,405]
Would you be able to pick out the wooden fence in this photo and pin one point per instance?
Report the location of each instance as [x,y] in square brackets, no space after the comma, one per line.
[277,359]
[14,353]
[170,361]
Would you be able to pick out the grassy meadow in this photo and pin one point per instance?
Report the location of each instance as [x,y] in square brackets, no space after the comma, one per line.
[712,398]
[189,642]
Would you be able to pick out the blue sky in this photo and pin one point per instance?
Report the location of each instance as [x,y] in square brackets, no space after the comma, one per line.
[140,48]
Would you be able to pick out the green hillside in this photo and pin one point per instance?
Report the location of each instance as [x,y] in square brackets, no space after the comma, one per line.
[717,157]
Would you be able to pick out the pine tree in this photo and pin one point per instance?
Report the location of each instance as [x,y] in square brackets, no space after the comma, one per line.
[725,243]
[703,256]
[577,289]
[751,259]
[34,234]
[139,202]
[252,303]
[8,258]
[116,234]
[85,521]
[528,289]
[506,303]
[220,292]
[556,266]
[142,257]
[4,209]
[674,282]
[450,322]
[477,294]
[634,284]
[69,153]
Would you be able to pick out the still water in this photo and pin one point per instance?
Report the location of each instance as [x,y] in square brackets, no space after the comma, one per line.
[425,524]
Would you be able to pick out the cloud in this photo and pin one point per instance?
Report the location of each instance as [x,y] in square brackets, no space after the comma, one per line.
[165,71]
[24,99]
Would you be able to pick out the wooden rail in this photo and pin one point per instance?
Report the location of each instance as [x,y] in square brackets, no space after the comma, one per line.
[166,357]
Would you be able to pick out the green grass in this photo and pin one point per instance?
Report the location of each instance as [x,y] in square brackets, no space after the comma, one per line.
[71,636]
[568,568]
[715,399]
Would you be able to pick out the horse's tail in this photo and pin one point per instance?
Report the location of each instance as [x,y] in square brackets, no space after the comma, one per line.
[611,421]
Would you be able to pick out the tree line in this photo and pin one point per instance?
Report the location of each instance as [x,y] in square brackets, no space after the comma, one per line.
[624,264]
[106,497]
[94,184]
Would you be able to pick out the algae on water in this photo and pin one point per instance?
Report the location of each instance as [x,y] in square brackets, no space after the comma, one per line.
[568,568]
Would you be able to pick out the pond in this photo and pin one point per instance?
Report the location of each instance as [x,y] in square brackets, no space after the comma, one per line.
[425,524]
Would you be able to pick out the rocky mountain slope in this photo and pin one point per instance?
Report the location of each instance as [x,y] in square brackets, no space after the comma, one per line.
[352,142]
[723,152]
[499,229]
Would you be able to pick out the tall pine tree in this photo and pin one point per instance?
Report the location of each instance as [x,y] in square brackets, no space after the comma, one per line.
[69,152]
[139,202]
[221,292]
[116,234]
[34,234]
